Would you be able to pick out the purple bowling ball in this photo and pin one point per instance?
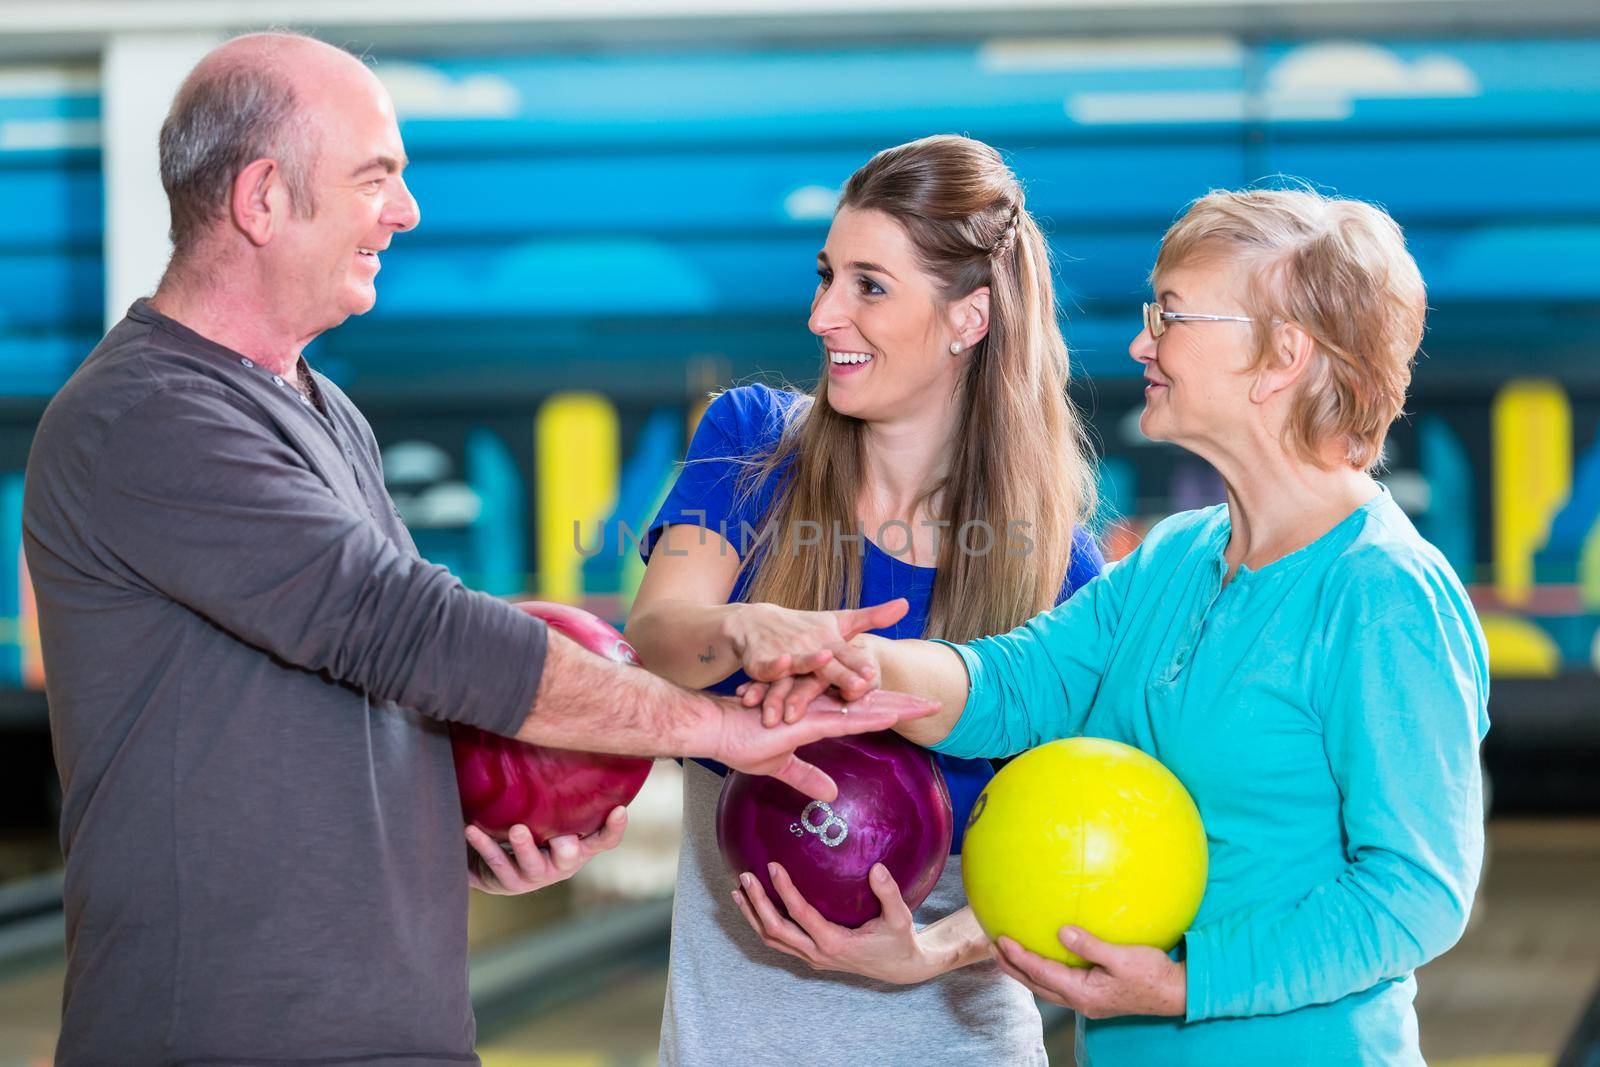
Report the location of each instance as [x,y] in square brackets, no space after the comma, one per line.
[893,808]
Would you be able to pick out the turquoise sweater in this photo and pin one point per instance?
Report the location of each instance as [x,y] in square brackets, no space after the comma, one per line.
[1325,713]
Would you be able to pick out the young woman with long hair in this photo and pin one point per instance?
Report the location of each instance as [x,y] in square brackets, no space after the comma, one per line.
[939,475]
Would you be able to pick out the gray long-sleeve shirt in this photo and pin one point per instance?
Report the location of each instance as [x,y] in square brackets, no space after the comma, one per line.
[248,665]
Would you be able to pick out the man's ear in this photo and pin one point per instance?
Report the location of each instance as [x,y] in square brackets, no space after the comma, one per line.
[259,200]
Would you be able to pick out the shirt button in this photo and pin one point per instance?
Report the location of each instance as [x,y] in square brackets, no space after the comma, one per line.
[276,380]
[246,362]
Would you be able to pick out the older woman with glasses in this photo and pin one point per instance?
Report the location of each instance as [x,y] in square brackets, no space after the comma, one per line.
[1299,657]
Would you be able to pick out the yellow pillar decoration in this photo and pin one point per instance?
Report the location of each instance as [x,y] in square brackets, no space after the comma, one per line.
[577,464]
[1519,648]
[1532,444]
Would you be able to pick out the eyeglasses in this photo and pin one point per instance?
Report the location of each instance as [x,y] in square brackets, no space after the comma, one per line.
[1155,319]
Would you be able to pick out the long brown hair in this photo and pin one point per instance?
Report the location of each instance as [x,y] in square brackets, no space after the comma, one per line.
[1020,454]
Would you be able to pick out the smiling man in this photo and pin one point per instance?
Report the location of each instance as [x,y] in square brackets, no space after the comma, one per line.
[250,668]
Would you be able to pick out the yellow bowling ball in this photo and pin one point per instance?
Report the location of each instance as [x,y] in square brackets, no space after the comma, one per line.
[1084,832]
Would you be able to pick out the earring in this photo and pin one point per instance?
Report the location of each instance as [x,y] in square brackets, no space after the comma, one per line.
[955,348]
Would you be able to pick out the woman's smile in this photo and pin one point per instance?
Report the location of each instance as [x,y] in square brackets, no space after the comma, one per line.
[842,364]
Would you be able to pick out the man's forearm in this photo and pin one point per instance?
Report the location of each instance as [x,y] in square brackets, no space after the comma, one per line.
[924,669]
[589,703]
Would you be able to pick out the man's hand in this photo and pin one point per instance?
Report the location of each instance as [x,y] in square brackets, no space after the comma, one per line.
[528,867]
[785,700]
[741,741]
[1124,979]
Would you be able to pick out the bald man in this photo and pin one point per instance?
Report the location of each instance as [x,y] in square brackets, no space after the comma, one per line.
[250,668]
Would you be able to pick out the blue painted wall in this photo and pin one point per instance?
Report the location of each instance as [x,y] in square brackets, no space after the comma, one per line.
[632,210]
[615,221]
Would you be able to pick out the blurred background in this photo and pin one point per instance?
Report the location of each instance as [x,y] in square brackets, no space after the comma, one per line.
[622,200]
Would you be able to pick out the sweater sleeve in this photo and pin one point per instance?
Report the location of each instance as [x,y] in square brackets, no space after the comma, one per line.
[196,497]
[1403,714]
[1037,682]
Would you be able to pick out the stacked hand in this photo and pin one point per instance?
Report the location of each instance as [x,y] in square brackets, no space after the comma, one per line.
[747,744]
[796,656]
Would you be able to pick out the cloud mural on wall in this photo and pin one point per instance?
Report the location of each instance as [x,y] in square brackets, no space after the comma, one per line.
[44,82]
[1352,71]
[1160,106]
[1024,55]
[61,86]
[424,92]
[36,135]
[811,203]
[444,506]
[1318,82]
[407,462]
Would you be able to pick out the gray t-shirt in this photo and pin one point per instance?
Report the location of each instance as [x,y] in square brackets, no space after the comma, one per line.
[248,665]
[733,1000]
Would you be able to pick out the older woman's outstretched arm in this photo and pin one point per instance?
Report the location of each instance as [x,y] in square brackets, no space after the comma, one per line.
[1000,695]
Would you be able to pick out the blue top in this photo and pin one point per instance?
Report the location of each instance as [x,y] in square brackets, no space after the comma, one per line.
[744,424]
[1325,713]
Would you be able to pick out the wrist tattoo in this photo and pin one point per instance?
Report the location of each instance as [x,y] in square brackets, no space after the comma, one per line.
[709,654]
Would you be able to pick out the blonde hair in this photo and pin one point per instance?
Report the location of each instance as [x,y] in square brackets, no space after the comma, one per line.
[1340,270]
[1020,451]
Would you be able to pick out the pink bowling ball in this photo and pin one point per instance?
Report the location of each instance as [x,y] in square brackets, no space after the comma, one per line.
[551,791]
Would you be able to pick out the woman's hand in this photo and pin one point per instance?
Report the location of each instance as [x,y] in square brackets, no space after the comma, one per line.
[528,867]
[887,948]
[926,668]
[774,644]
[785,700]
[1125,979]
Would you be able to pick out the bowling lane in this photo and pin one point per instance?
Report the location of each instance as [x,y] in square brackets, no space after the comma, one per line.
[30,1005]
[1519,981]
[616,1026]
